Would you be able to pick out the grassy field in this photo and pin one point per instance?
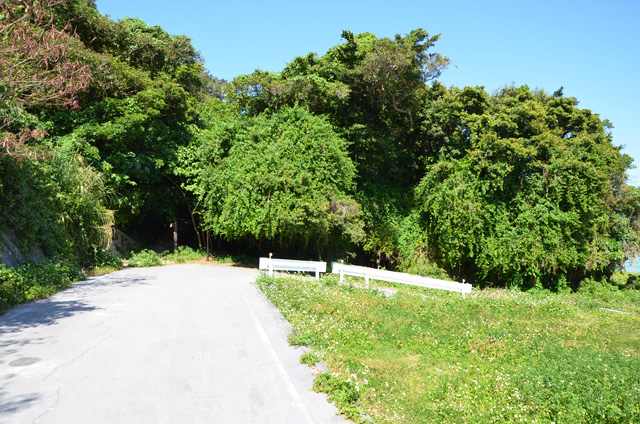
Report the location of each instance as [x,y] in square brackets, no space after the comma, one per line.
[427,356]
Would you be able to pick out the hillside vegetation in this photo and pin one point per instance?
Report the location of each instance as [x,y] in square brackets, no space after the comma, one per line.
[358,153]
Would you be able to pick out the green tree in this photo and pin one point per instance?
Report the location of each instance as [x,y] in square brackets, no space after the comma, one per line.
[277,180]
[136,112]
[372,91]
[524,189]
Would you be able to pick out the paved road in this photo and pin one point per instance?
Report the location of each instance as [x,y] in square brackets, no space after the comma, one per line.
[176,344]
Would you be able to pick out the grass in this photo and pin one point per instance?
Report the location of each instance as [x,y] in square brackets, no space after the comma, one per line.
[427,356]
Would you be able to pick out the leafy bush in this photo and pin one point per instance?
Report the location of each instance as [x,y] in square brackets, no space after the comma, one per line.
[223,259]
[46,277]
[145,257]
[36,280]
[56,204]
[626,280]
[104,262]
[184,253]
[619,279]
[12,288]
[106,259]
[633,282]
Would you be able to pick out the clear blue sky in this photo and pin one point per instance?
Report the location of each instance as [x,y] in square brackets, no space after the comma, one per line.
[592,48]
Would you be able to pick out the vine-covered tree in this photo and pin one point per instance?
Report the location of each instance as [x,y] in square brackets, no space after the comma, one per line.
[526,189]
[372,90]
[277,180]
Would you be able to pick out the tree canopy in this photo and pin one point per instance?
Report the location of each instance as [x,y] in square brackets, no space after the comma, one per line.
[283,178]
[527,188]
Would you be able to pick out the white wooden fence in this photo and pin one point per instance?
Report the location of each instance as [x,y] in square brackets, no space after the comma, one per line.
[399,277]
[292,265]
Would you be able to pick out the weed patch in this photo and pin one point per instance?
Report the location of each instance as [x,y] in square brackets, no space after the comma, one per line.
[309,358]
[343,393]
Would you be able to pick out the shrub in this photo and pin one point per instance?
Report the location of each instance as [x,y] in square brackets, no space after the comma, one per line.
[619,279]
[36,280]
[145,257]
[106,259]
[57,205]
[183,254]
[47,277]
[12,286]
[633,282]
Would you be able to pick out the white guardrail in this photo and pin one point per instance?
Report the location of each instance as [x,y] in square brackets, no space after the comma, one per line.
[292,265]
[398,277]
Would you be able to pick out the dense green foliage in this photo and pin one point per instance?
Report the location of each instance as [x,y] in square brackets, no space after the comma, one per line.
[425,356]
[183,254]
[371,90]
[284,177]
[56,205]
[145,258]
[358,153]
[135,113]
[35,281]
[516,188]
[526,189]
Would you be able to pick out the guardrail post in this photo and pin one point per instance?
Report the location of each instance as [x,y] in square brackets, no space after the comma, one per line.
[341,270]
[317,273]
[270,266]
[366,278]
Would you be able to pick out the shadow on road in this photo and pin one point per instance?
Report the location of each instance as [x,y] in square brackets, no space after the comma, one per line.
[44,312]
[64,304]
[11,406]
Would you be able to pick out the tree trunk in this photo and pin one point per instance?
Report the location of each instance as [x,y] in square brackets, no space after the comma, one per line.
[175,236]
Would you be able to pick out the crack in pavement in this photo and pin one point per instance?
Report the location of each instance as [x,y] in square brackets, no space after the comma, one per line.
[77,357]
[49,409]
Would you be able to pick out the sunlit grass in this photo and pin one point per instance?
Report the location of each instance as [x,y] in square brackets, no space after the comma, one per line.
[423,356]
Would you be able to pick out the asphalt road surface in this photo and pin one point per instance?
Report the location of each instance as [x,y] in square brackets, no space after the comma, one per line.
[176,344]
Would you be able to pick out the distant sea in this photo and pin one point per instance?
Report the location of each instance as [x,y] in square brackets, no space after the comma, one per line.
[633,266]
